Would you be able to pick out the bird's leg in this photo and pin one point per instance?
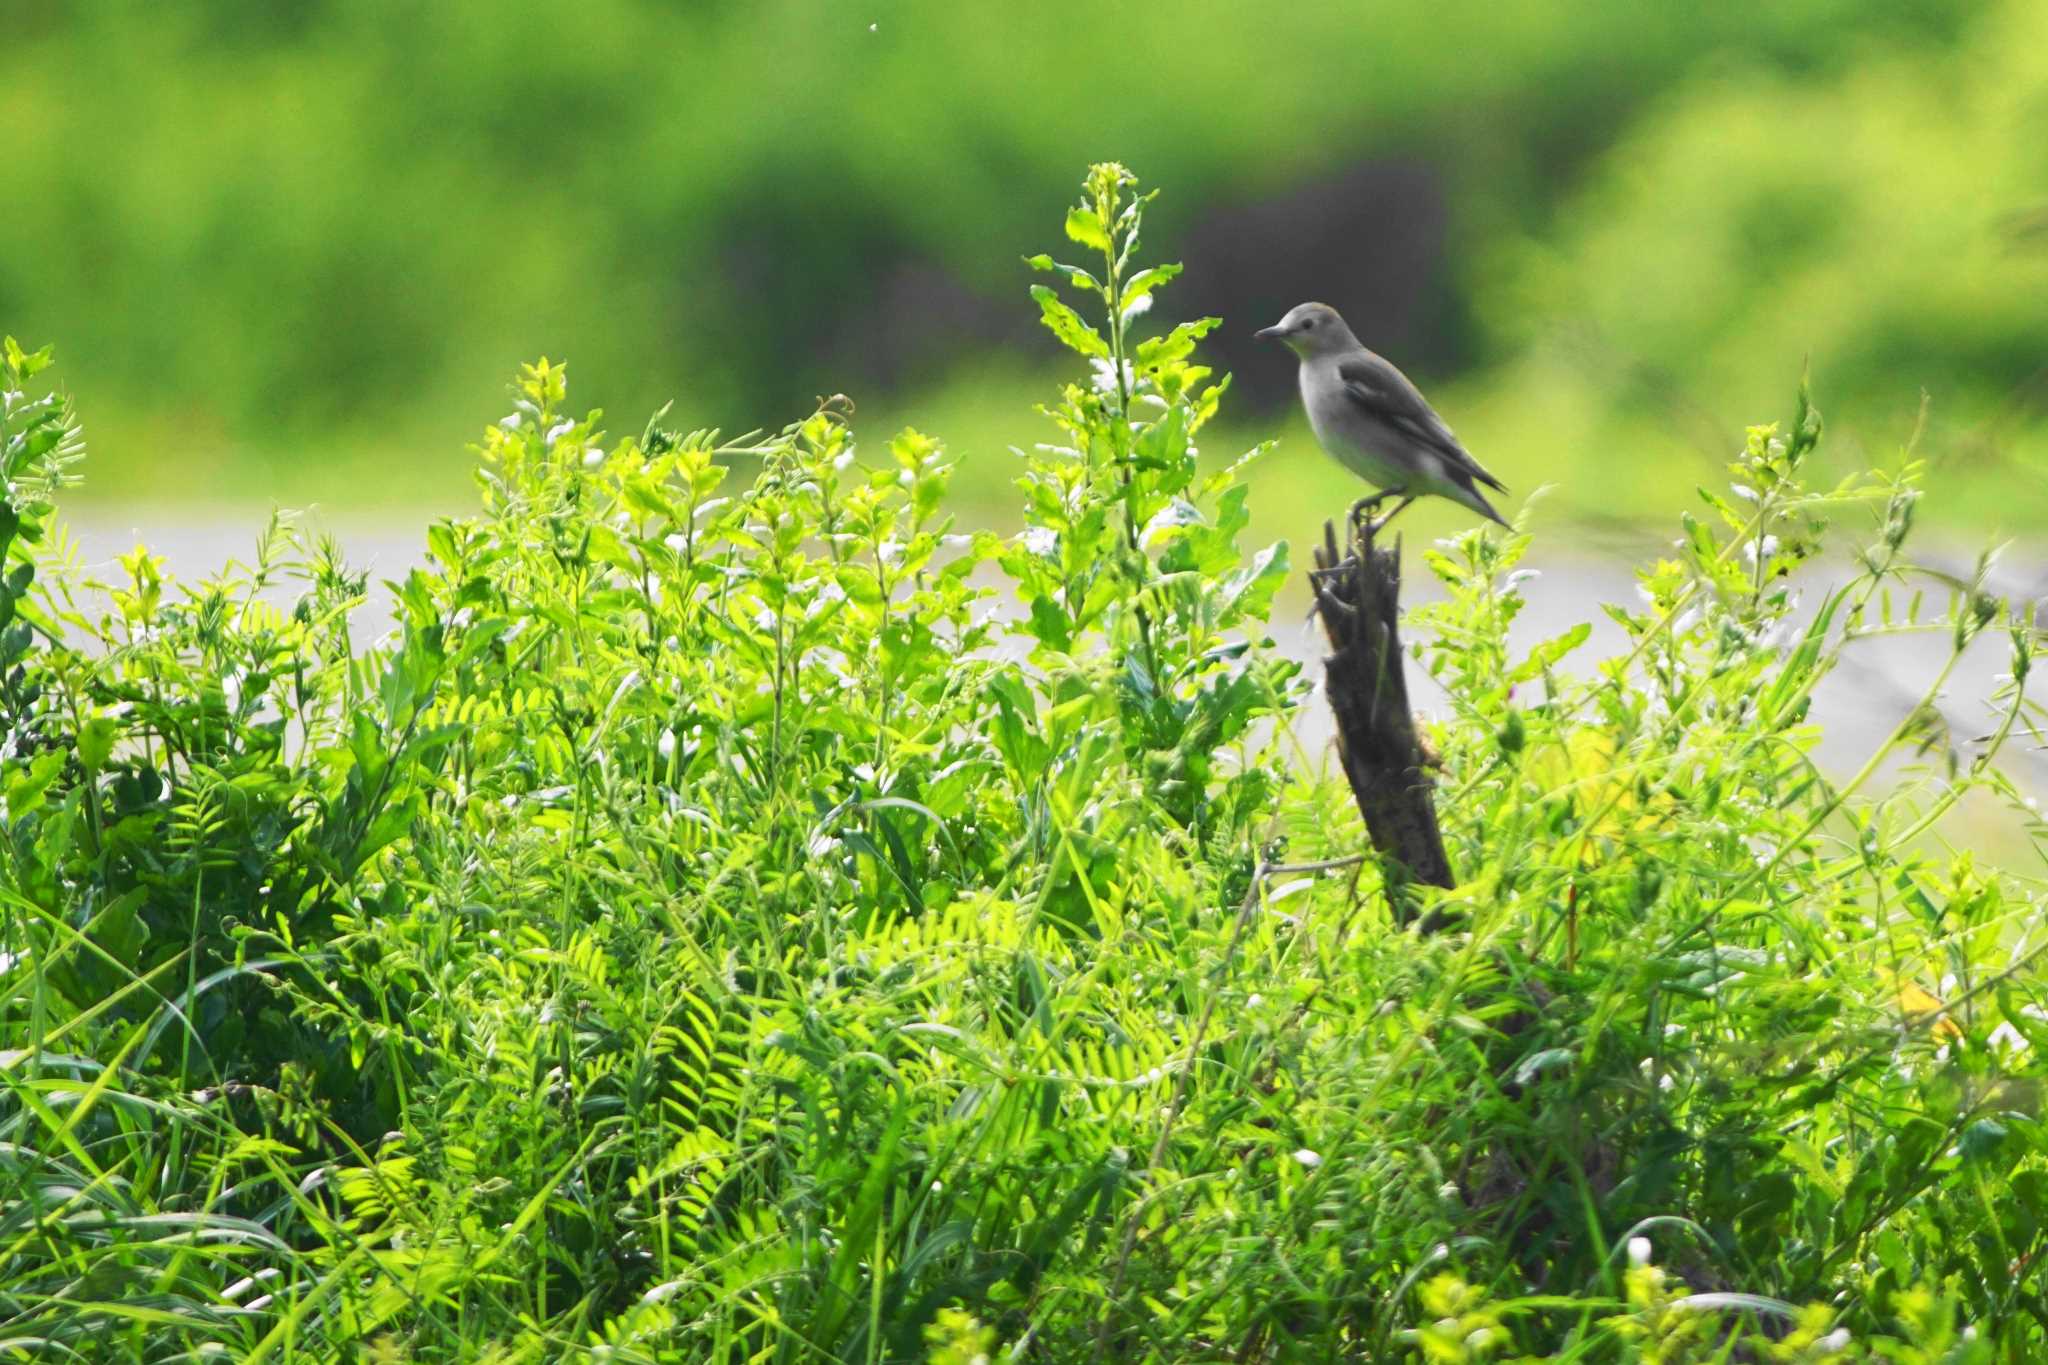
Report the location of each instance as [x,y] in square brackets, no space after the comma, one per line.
[1399,508]
[1366,504]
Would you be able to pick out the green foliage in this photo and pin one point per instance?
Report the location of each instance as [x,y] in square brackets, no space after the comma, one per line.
[733,915]
[275,238]
[1883,222]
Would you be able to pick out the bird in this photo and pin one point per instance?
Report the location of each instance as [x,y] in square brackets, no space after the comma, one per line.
[1373,421]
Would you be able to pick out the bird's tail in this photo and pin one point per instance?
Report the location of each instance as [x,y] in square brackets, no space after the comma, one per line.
[1476,500]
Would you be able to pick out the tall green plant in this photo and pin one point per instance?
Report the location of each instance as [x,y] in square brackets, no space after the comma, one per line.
[729,914]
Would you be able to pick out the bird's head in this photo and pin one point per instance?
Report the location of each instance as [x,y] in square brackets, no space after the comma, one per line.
[1309,330]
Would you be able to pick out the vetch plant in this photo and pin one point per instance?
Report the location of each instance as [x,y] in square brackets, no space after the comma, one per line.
[735,915]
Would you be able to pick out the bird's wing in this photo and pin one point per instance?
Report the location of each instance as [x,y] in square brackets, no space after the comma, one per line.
[1383,393]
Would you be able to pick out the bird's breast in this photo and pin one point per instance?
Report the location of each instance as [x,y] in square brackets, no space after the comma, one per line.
[1353,439]
[1332,415]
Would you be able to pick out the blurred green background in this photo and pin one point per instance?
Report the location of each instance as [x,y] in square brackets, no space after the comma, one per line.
[293,253]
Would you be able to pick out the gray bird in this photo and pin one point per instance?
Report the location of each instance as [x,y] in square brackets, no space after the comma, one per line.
[1374,422]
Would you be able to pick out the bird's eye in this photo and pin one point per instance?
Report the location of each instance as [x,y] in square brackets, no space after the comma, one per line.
[1308,324]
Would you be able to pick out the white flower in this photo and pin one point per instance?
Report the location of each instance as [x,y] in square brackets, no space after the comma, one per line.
[1042,541]
[1521,576]
[1138,307]
[676,541]
[1766,636]
[511,421]
[1835,1342]
[1179,512]
[1106,375]
[666,745]
[1309,1160]
[2007,1038]
[1745,492]
[558,431]
[1638,1251]
[592,458]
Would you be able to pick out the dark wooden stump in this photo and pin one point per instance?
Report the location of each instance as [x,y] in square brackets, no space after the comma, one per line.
[1359,599]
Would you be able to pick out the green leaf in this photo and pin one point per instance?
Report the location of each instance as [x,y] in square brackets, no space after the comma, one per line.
[96,742]
[1051,625]
[27,364]
[1141,285]
[1981,1140]
[1546,655]
[1087,229]
[1542,1060]
[1074,333]
[26,783]
[648,499]
[1015,726]
[1248,593]
[1076,276]
[855,1237]
[118,929]
[1177,345]
[430,742]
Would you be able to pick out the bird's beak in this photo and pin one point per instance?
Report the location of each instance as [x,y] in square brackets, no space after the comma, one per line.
[1269,334]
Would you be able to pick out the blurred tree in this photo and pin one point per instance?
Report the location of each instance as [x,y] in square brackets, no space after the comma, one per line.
[1879,221]
[241,218]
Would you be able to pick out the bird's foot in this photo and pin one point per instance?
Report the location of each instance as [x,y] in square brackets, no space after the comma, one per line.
[1373,529]
[1370,526]
[1366,504]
